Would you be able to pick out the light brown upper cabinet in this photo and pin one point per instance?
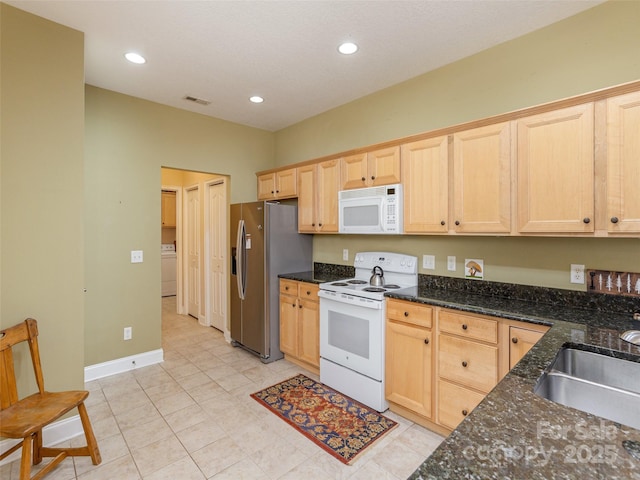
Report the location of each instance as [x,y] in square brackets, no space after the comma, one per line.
[318,197]
[281,184]
[168,209]
[379,167]
[482,179]
[425,182]
[623,163]
[556,171]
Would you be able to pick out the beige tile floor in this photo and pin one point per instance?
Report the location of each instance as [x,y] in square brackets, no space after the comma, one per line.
[191,418]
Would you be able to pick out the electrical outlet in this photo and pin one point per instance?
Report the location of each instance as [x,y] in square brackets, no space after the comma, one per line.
[451,263]
[577,273]
[136,256]
[127,333]
[429,262]
[345,254]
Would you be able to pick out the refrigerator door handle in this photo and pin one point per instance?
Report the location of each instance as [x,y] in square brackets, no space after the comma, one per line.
[241,260]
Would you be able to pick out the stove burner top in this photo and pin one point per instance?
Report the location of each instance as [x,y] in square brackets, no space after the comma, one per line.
[340,284]
[391,286]
[356,282]
[373,289]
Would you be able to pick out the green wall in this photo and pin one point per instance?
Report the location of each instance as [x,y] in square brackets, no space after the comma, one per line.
[41,191]
[128,141]
[596,49]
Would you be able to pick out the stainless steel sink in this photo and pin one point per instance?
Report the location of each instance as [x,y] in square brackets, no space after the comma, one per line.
[594,383]
[631,336]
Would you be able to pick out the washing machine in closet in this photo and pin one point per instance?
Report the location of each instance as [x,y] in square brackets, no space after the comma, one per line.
[168,269]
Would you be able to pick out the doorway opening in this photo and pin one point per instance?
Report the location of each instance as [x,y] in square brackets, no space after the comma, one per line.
[200,239]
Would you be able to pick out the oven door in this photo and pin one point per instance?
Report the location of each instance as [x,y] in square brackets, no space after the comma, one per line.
[352,333]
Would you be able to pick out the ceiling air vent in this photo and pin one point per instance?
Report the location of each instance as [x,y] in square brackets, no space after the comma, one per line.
[201,101]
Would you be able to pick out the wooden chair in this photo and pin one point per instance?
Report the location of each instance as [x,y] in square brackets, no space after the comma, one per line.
[25,418]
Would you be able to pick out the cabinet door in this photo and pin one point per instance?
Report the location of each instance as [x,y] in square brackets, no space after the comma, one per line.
[328,183]
[482,179]
[168,209]
[520,342]
[306,199]
[354,171]
[383,166]
[266,186]
[408,367]
[286,183]
[309,331]
[623,163]
[556,171]
[425,182]
[289,325]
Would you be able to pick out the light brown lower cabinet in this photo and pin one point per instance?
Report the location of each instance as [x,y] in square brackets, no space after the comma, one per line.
[409,354]
[300,323]
[468,363]
[440,363]
[455,403]
[522,339]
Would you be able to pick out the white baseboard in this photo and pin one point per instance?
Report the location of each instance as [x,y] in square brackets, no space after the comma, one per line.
[53,434]
[121,365]
[70,427]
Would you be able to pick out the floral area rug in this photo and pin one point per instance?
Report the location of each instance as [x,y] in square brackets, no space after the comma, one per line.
[339,424]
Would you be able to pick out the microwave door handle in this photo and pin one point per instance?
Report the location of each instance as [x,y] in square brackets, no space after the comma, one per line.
[383,208]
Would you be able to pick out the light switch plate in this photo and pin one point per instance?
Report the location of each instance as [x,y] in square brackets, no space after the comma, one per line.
[451,263]
[429,262]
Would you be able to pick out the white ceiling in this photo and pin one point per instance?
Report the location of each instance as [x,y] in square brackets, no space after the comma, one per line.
[285,51]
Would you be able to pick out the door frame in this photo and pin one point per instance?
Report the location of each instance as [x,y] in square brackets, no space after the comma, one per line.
[208,228]
[179,262]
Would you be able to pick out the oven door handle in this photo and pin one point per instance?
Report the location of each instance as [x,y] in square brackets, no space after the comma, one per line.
[351,300]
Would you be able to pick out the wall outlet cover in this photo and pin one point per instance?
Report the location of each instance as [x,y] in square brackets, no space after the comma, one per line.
[451,263]
[577,273]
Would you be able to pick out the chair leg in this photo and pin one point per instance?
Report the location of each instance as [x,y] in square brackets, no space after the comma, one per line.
[37,447]
[25,462]
[92,444]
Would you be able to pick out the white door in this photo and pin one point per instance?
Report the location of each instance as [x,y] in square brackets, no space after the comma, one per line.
[216,226]
[193,252]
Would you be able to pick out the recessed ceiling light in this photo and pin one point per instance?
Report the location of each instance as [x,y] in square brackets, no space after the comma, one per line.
[135,58]
[256,99]
[348,48]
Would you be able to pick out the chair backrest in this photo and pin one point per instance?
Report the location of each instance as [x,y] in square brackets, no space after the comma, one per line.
[26,331]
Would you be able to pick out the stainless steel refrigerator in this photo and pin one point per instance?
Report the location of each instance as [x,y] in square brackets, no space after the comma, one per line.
[264,244]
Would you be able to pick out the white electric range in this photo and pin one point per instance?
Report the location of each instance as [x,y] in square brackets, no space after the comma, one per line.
[352,326]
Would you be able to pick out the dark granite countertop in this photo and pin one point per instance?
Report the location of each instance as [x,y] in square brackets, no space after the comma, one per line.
[513,433]
[311,277]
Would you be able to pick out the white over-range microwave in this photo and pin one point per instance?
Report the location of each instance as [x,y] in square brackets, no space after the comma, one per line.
[371,210]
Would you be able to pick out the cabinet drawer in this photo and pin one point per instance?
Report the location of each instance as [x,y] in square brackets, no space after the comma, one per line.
[471,364]
[288,287]
[469,326]
[409,312]
[455,403]
[308,291]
